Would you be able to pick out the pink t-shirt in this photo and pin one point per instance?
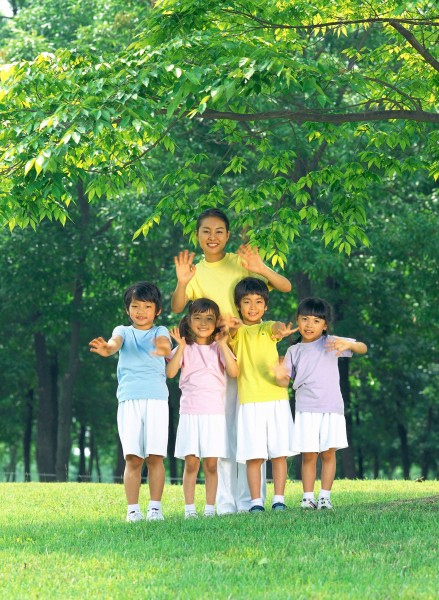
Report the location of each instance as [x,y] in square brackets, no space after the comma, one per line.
[202,380]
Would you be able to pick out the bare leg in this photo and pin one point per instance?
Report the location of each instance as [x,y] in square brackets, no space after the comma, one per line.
[309,463]
[254,477]
[132,477]
[329,464]
[279,466]
[211,478]
[156,476]
[191,468]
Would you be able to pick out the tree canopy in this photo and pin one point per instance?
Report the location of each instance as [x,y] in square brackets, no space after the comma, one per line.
[251,78]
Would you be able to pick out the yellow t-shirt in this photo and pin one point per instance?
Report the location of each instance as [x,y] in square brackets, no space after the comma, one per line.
[256,354]
[217,281]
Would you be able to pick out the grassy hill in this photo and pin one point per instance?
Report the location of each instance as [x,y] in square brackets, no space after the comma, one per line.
[71,541]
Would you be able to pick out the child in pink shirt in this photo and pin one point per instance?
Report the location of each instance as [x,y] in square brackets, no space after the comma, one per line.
[204,358]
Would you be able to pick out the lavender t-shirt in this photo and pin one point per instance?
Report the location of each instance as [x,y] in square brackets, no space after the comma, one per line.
[202,380]
[316,377]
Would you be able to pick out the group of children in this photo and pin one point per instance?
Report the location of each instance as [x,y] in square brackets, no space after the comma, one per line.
[234,408]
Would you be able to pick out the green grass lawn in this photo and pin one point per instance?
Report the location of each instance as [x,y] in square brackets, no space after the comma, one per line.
[71,541]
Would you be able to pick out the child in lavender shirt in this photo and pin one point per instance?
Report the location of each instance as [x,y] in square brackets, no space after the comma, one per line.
[320,426]
[204,358]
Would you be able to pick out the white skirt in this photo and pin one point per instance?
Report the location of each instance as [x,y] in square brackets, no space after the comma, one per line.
[143,427]
[317,432]
[265,430]
[204,436]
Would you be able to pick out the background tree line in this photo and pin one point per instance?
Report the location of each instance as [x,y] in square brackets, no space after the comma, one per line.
[297,189]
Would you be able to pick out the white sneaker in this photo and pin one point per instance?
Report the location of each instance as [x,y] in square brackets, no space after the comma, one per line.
[135,516]
[207,513]
[192,514]
[308,503]
[323,503]
[154,514]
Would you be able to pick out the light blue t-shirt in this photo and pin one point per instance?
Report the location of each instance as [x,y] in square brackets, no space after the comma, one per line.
[316,377]
[140,374]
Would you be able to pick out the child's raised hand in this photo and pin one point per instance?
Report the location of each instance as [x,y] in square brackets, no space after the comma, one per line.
[228,322]
[175,335]
[338,345]
[251,259]
[281,374]
[184,267]
[101,347]
[281,330]
[222,337]
[162,346]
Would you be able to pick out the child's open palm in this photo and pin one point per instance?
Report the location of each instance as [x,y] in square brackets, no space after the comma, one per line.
[101,347]
[338,345]
[175,335]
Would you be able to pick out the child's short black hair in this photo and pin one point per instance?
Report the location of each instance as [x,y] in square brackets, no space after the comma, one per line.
[315,307]
[145,292]
[250,285]
[199,306]
[213,212]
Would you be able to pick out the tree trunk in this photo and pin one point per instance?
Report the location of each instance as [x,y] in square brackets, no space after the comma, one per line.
[47,412]
[426,453]
[120,464]
[405,455]
[82,475]
[173,420]
[347,455]
[65,405]
[402,432]
[27,433]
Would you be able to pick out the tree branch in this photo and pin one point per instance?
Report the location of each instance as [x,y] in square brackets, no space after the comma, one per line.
[432,21]
[408,35]
[303,116]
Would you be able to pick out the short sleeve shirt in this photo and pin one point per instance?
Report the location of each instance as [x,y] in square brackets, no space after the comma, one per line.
[140,374]
[256,352]
[202,380]
[316,376]
[217,281]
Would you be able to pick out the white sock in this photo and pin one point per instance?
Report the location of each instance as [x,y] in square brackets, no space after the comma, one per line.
[257,502]
[133,508]
[277,499]
[210,509]
[189,508]
[325,494]
[155,504]
[308,495]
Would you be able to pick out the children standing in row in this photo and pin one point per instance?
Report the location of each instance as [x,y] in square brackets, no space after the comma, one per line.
[265,424]
[143,412]
[215,277]
[204,358]
[320,426]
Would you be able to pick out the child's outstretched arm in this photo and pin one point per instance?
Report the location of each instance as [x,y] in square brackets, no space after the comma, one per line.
[103,348]
[229,324]
[231,365]
[281,374]
[281,330]
[339,345]
[162,346]
[253,262]
[173,366]
[185,270]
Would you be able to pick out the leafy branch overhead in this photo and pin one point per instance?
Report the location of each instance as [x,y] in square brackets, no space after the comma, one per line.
[256,101]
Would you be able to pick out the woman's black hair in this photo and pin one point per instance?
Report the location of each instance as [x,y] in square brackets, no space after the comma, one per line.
[315,307]
[201,305]
[250,285]
[213,212]
[144,292]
